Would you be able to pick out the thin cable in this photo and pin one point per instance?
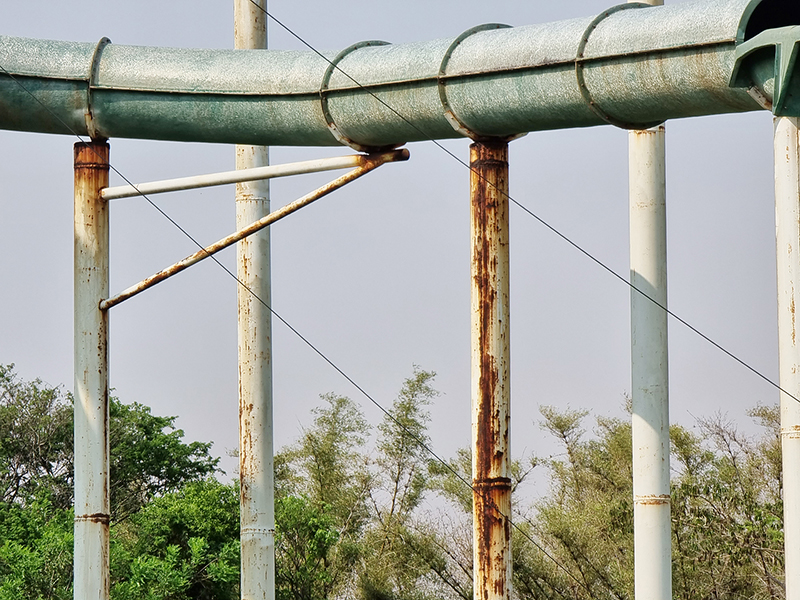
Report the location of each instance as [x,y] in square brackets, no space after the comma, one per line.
[339,370]
[291,328]
[534,215]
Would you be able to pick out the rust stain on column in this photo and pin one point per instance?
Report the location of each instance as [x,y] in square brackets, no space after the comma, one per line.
[91,545]
[490,370]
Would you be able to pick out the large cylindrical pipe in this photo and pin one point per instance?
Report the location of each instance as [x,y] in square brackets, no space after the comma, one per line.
[634,67]
[91,575]
[491,371]
[649,366]
[256,472]
[787,218]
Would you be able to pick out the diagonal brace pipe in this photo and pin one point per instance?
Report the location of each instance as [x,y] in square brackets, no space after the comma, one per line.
[368,163]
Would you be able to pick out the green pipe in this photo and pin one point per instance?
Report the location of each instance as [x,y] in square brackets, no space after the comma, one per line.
[631,68]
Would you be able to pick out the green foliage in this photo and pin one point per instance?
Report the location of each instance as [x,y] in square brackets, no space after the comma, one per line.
[183,545]
[329,464]
[35,440]
[402,456]
[449,480]
[394,565]
[35,551]
[304,538]
[726,513]
[328,470]
[149,457]
[332,485]
[350,521]
[148,460]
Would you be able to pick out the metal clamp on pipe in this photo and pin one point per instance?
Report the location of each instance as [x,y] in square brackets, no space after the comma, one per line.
[580,60]
[449,113]
[333,65]
[94,67]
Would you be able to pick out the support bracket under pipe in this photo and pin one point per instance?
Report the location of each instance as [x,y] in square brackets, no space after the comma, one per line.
[368,163]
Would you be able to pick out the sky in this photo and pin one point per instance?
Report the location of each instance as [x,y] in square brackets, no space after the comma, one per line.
[377,274]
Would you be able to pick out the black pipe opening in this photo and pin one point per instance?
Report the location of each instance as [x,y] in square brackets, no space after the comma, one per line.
[771,14]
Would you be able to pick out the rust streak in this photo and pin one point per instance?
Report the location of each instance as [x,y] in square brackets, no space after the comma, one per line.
[651,500]
[492,486]
[101,518]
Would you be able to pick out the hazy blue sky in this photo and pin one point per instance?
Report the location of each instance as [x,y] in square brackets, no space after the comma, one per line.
[377,275]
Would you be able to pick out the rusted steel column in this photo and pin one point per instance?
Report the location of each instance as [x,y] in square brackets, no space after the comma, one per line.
[256,477]
[491,383]
[787,217]
[91,575]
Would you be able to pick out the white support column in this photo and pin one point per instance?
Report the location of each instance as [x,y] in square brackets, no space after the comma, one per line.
[255,349]
[787,220]
[649,368]
[91,575]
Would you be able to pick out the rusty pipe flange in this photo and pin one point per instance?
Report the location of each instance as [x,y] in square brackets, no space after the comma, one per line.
[449,113]
[580,60]
[323,96]
[94,67]
[492,483]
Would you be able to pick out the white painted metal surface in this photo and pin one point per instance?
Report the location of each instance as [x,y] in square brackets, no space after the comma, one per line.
[787,219]
[256,462]
[649,366]
[91,576]
[368,163]
[247,174]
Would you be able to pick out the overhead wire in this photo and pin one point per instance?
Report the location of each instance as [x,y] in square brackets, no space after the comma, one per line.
[322,355]
[291,328]
[558,233]
[528,211]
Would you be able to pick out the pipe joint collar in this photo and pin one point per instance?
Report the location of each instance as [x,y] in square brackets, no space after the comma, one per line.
[94,67]
[324,90]
[449,114]
[580,61]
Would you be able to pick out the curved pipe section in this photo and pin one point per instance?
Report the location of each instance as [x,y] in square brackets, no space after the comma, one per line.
[629,67]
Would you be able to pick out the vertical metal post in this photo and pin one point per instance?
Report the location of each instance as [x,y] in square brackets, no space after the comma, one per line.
[491,382]
[649,367]
[255,349]
[787,218]
[91,575]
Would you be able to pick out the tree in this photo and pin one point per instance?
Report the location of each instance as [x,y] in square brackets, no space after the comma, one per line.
[324,477]
[35,440]
[149,458]
[726,513]
[396,560]
[148,455]
[305,536]
[35,551]
[149,461]
[727,510]
[182,545]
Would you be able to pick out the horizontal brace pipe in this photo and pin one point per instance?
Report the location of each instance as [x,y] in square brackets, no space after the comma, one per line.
[240,176]
[369,163]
